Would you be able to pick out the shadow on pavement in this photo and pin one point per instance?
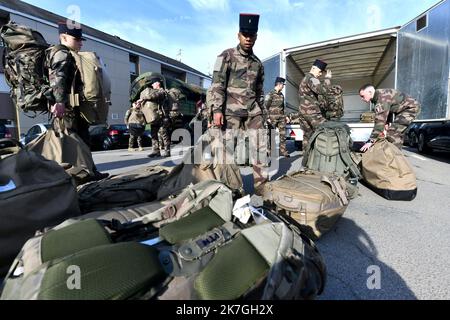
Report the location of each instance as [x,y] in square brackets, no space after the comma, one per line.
[351,258]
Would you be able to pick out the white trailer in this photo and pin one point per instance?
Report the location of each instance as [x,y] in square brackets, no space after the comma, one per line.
[413,58]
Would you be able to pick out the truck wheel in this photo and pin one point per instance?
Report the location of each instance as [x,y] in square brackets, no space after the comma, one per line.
[422,145]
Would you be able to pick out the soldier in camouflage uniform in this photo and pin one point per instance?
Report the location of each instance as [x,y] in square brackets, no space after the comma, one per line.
[389,103]
[274,105]
[236,96]
[310,89]
[62,70]
[154,104]
[176,117]
[135,121]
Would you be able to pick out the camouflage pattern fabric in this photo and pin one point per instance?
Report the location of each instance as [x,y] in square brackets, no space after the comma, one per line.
[132,139]
[176,118]
[274,103]
[237,88]
[310,107]
[403,107]
[274,106]
[154,109]
[257,136]
[62,71]
[333,103]
[237,92]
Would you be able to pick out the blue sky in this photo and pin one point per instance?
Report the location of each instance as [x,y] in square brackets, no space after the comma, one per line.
[202,29]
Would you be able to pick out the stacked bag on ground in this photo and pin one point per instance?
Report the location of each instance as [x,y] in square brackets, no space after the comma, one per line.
[192,248]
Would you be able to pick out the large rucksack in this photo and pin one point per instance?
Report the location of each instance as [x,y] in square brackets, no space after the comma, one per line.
[201,253]
[23,62]
[315,201]
[329,151]
[34,193]
[333,103]
[388,173]
[96,96]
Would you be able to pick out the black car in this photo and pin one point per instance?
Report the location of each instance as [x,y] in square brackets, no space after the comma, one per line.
[115,136]
[429,136]
[4,132]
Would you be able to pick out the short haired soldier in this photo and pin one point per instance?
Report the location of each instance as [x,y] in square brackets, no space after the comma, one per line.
[62,70]
[388,103]
[274,105]
[310,88]
[236,96]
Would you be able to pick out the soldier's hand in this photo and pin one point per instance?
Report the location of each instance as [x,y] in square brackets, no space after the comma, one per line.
[366,147]
[329,75]
[58,110]
[218,119]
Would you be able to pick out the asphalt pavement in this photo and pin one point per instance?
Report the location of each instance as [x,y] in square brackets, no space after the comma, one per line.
[380,249]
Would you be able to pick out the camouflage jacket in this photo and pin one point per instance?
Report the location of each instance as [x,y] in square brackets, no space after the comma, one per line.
[61,72]
[308,93]
[237,87]
[155,99]
[392,102]
[274,103]
[134,115]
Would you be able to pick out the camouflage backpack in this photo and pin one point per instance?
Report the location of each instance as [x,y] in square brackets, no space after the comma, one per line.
[23,63]
[333,103]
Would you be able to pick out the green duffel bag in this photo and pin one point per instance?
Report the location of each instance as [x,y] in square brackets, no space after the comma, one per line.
[198,254]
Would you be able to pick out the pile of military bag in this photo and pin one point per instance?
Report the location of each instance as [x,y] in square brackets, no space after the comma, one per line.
[192,248]
[34,193]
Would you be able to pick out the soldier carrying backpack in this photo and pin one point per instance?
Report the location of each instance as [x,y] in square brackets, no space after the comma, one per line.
[60,79]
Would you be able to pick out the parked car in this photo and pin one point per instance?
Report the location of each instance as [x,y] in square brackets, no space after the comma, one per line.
[34,132]
[114,136]
[4,132]
[429,136]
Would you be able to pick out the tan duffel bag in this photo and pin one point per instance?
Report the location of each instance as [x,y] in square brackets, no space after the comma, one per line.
[388,173]
[314,200]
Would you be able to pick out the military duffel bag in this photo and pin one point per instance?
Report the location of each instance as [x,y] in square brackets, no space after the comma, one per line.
[198,253]
[133,187]
[388,173]
[34,193]
[314,200]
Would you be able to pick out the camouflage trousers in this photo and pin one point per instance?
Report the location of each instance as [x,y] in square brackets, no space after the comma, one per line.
[280,123]
[396,131]
[257,137]
[160,137]
[308,129]
[134,138]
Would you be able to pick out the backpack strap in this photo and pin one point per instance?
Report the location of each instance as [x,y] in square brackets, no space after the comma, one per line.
[345,154]
[336,187]
[310,144]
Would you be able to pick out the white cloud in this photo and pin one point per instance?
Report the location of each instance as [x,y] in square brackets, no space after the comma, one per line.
[298,4]
[202,5]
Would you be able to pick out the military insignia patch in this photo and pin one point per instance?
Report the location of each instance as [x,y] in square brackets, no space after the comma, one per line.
[218,64]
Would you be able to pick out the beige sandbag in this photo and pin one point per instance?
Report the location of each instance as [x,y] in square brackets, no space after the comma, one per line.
[388,173]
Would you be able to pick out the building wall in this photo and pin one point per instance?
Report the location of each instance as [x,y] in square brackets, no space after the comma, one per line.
[117,65]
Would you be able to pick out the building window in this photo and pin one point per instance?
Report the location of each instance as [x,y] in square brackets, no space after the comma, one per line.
[173,73]
[134,67]
[114,116]
[421,23]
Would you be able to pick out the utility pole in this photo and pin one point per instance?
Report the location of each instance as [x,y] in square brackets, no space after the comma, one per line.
[179,55]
